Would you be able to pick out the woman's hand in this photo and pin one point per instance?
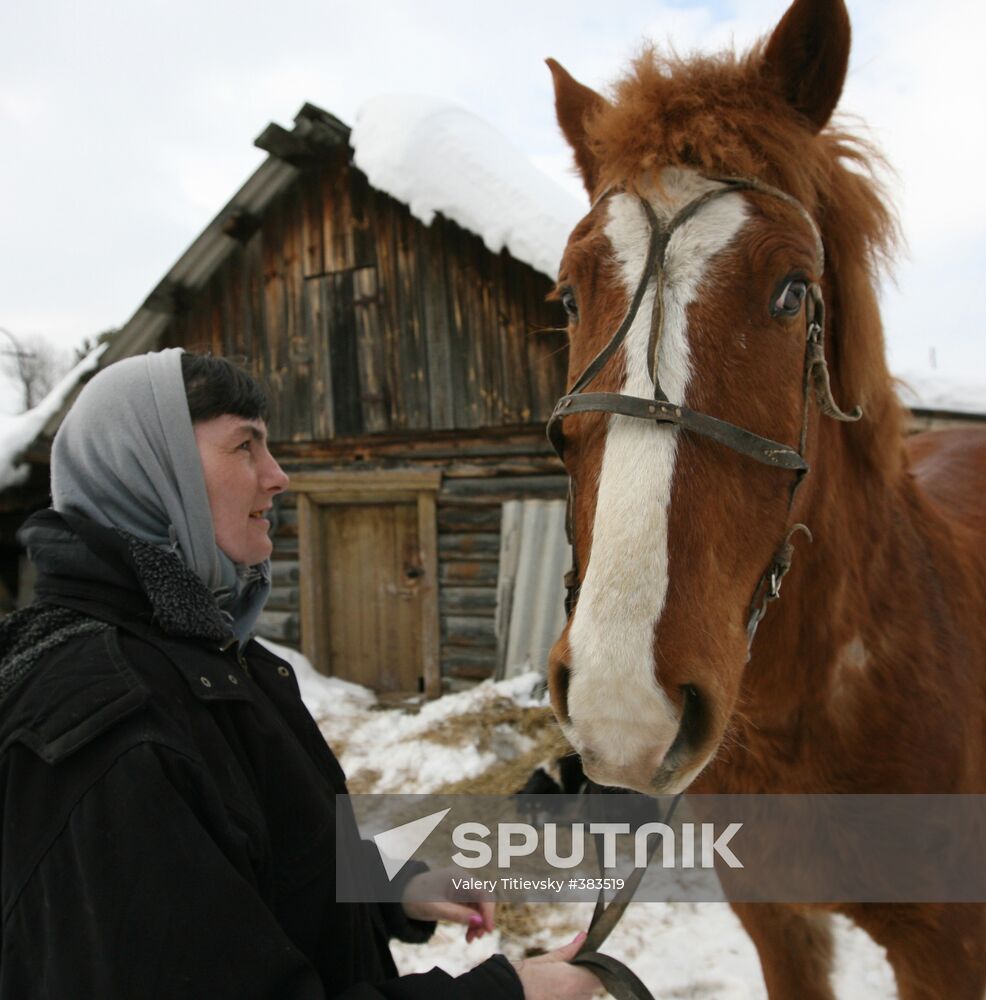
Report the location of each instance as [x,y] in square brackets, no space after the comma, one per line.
[429,896]
[550,977]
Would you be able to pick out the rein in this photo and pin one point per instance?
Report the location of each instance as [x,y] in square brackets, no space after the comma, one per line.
[619,979]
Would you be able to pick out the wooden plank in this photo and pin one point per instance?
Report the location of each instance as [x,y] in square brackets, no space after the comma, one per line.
[284,572]
[428,584]
[275,322]
[317,331]
[488,443]
[381,211]
[435,321]
[371,480]
[412,349]
[312,233]
[516,361]
[479,602]
[337,304]
[363,243]
[285,548]
[547,350]
[371,360]
[281,626]
[463,655]
[287,521]
[310,591]
[462,369]
[460,630]
[298,335]
[470,547]
[467,574]
[457,664]
[532,465]
[282,599]
[255,328]
[506,487]
[451,519]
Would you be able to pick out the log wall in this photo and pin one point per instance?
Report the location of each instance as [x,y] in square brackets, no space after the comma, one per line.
[362,320]
[478,475]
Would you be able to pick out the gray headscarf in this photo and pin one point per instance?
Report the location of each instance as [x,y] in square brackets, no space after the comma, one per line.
[125,456]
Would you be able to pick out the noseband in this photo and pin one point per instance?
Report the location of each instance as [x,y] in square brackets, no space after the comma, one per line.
[662,411]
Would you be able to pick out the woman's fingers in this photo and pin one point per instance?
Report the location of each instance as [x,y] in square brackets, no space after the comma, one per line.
[563,954]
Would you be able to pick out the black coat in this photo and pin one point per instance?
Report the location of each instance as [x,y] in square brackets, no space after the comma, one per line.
[168,809]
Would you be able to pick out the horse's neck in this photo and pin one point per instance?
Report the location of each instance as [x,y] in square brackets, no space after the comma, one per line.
[843,600]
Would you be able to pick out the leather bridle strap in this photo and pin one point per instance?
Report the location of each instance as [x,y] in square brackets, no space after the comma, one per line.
[761,449]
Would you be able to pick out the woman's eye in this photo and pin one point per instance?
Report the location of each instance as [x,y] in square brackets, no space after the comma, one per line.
[569,304]
[789,298]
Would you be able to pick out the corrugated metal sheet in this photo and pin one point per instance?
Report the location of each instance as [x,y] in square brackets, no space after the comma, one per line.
[534,556]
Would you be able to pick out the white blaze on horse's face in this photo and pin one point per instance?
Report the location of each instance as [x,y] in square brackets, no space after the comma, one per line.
[620,718]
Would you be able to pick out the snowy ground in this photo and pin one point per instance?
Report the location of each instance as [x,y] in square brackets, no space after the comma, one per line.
[682,950]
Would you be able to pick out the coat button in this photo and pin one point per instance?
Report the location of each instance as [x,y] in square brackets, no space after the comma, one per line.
[206,682]
[233,679]
[284,672]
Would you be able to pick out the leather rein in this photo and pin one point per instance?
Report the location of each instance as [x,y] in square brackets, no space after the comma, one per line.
[618,979]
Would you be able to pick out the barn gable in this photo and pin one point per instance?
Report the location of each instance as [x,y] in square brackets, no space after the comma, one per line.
[411,371]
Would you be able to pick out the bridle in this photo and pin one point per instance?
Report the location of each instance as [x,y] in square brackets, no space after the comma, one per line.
[662,411]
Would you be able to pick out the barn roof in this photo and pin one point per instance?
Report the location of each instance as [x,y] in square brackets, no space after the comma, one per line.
[433,156]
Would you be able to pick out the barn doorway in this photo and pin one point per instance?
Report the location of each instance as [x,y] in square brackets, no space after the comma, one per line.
[369,577]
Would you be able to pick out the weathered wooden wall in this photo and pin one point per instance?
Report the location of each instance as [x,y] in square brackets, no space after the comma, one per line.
[478,474]
[364,321]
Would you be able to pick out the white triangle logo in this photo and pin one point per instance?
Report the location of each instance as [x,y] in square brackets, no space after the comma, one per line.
[397,845]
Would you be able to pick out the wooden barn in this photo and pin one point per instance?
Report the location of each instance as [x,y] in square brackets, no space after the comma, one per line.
[411,371]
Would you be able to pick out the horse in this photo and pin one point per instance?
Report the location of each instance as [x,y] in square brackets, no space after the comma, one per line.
[732,426]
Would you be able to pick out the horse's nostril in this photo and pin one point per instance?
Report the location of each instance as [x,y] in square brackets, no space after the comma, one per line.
[560,675]
[694,718]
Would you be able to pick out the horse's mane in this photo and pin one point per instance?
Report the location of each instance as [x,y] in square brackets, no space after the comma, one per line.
[721,115]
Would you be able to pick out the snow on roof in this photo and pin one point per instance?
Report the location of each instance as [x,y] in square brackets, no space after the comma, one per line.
[930,390]
[19,432]
[437,157]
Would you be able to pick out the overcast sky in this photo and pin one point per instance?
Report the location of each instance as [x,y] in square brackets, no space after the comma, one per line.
[124,127]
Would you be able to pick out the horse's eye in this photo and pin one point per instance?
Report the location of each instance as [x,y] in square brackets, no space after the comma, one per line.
[789,297]
[569,303]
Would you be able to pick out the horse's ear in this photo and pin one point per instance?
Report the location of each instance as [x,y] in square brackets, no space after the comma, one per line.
[808,55]
[574,103]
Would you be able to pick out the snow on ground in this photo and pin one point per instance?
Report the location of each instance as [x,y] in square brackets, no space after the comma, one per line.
[437,157]
[679,950]
[20,431]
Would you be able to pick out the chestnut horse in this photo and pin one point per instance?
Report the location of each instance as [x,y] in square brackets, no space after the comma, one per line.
[711,416]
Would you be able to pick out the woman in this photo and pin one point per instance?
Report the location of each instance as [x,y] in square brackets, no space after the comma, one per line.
[168,803]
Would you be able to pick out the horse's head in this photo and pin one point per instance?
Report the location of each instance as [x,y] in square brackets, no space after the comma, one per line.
[710,297]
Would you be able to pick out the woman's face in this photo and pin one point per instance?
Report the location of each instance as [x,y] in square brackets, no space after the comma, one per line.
[241,478]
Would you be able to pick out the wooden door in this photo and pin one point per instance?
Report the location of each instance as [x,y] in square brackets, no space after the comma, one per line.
[368,553]
[372,604]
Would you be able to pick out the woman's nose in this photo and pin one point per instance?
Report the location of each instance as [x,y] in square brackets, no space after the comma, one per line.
[276,479]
